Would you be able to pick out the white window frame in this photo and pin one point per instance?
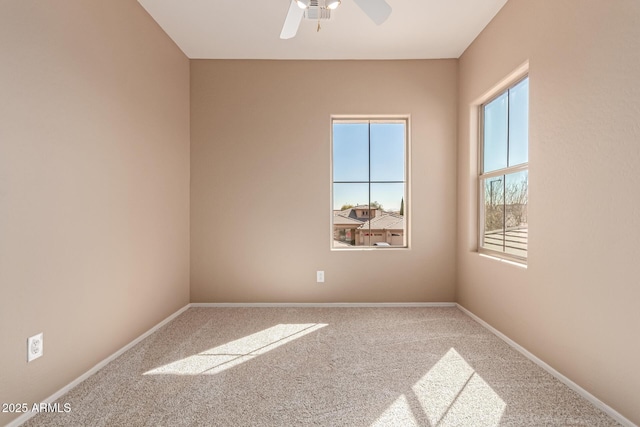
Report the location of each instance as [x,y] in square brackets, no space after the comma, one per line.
[371,119]
[482,176]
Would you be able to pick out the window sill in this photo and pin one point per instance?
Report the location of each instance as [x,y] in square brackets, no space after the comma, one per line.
[369,248]
[503,259]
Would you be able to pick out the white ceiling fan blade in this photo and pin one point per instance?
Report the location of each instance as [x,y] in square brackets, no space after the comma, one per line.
[377,10]
[292,21]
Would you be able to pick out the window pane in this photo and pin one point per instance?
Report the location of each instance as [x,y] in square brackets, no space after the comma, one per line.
[347,217]
[495,134]
[387,196]
[350,151]
[505,213]
[387,223]
[516,228]
[387,151]
[350,195]
[519,123]
[494,214]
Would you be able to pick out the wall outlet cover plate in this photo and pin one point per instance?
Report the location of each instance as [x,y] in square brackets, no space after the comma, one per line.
[35,346]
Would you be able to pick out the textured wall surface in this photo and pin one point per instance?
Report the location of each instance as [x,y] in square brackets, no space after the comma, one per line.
[260,204]
[94,186]
[96,206]
[575,305]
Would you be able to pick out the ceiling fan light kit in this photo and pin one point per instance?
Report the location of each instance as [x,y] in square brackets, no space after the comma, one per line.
[329,4]
[377,10]
[332,4]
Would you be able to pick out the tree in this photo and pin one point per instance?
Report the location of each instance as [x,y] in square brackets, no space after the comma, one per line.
[516,199]
[505,204]
[494,205]
[402,207]
[375,205]
[347,206]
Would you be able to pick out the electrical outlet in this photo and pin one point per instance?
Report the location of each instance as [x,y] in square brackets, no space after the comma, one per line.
[319,276]
[35,345]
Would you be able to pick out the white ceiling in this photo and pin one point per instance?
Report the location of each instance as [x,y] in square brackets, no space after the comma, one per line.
[237,29]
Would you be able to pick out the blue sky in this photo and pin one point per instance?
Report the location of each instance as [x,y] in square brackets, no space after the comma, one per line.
[497,135]
[351,163]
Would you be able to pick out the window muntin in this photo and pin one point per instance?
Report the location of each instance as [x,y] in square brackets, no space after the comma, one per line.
[369,158]
[504,177]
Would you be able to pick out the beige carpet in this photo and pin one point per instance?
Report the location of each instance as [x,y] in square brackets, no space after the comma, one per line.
[323,366]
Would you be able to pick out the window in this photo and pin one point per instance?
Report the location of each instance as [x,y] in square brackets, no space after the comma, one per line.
[504,172]
[369,183]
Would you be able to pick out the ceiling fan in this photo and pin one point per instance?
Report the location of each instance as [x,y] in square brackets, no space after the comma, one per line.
[377,10]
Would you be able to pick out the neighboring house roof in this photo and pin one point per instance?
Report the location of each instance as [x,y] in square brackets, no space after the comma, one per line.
[340,219]
[347,213]
[385,221]
[382,221]
[350,213]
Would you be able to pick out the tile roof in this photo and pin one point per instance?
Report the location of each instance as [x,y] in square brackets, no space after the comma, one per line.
[340,218]
[385,221]
[382,221]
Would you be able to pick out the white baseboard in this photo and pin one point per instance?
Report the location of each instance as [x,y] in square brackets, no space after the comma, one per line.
[55,396]
[323,304]
[573,386]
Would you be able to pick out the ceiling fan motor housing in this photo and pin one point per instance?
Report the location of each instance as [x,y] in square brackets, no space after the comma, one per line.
[315,9]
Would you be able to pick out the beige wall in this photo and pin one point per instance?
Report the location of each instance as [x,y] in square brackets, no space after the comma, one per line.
[260,204]
[94,186]
[576,305]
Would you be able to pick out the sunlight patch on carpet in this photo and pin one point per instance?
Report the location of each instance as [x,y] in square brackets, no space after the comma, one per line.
[398,413]
[450,394]
[236,352]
